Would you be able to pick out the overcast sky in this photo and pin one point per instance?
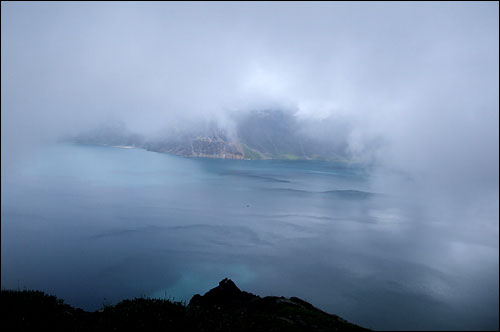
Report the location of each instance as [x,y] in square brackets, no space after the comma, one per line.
[423,76]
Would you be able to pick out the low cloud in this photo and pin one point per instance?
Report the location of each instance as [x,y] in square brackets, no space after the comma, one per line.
[412,86]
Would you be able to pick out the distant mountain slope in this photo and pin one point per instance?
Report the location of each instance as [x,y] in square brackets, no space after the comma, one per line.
[110,134]
[265,134]
[209,145]
[272,133]
[278,134]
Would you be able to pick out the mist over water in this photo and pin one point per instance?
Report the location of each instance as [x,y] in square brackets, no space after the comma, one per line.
[404,236]
[95,225]
[423,78]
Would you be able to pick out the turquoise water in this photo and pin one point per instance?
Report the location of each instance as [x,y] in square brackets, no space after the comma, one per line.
[94,225]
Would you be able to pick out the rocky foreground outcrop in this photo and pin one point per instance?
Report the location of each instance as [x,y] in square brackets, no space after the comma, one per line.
[223,308]
[227,308]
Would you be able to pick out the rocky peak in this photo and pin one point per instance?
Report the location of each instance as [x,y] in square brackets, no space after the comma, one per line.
[228,286]
[227,294]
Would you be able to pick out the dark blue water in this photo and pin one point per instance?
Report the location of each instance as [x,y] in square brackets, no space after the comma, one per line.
[95,225]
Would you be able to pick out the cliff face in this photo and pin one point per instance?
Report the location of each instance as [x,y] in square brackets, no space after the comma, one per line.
[216,147]
[268,134]
[199,146]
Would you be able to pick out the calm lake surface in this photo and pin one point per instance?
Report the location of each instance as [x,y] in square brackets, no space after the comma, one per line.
[94,225]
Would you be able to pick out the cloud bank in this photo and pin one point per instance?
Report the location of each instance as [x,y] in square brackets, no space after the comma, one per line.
[420,77]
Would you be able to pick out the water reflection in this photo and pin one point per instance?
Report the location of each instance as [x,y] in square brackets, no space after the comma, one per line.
[93,223]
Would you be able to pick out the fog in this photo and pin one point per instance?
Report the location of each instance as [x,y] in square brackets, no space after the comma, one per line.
[413,73]
[420,78]
[412,89]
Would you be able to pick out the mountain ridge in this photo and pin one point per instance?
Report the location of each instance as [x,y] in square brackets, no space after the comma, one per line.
[265,134]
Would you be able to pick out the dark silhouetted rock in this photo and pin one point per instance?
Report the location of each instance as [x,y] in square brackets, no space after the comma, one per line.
[227,308]
[227,294]
[223,308]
